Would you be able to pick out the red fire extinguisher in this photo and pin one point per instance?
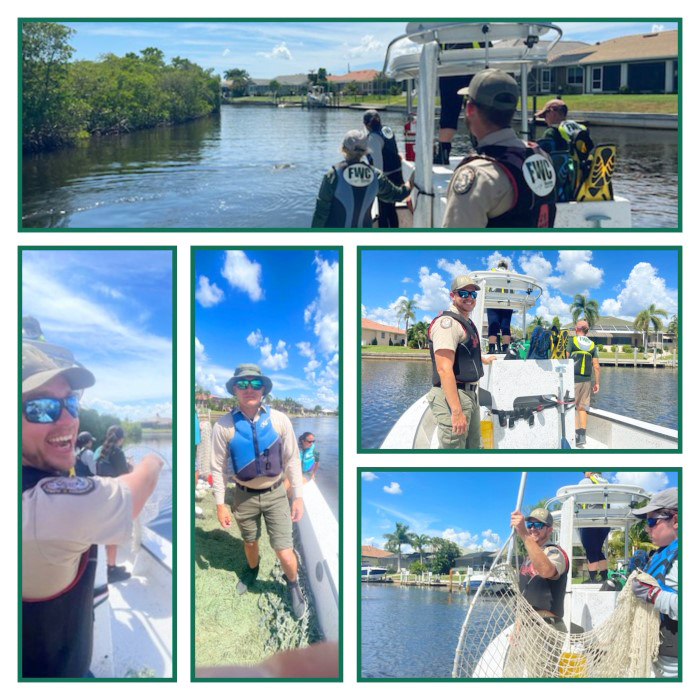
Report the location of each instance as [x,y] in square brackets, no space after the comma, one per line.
[409,133]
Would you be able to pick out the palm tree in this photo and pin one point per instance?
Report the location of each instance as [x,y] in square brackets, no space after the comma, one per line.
[672,329]
[649,317]
[588,308]
[418,334]
[397,538]
[405,311]
[419,543]
[537,321]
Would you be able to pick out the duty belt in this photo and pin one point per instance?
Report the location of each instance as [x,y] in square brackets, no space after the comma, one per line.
[269,488]
[467,387]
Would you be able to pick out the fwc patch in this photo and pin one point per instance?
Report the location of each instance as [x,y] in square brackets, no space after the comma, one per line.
[358,175]
[445,322]
[464,180]
[538,172]
[71,485]
[387,132]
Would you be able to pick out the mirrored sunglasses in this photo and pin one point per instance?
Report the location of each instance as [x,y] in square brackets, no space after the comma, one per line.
[537,525]
[256,384]
[465,293]
[48,410]
[651,522]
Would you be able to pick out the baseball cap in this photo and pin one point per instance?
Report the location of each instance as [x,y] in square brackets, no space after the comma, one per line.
[493,88]
[249,371]
[542,515]
[462,281]
[38,369]
[666,499]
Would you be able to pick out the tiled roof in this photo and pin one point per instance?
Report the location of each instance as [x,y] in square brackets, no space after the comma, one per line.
[359,76]
[374,326]
[368,551]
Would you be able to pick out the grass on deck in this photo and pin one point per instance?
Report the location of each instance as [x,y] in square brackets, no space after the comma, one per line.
[233,629]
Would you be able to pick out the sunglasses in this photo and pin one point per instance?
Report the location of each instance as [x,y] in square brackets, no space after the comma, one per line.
[48,410]
[651,522]
[465,293]
[256,384]
[537,525]
[309,442]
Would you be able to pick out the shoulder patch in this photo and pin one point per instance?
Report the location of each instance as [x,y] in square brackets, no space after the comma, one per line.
[464,180]
[445,322]
[387,132]
[70,485]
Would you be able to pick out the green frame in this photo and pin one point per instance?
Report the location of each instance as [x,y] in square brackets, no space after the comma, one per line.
[361,249]
[20,251]
[193,287]
[22,20]
[438,470]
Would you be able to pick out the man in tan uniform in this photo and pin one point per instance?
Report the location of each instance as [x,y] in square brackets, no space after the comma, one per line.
[260,445]
[455,351]
[509,183]
[64,518]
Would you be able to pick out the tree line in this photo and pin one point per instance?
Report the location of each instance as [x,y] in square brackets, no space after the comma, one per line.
[444,552]
[229,403]
[64,102]
[97,425]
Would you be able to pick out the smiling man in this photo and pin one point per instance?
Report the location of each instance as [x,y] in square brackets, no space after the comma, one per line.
[455,351]
[259,444]
[64,518]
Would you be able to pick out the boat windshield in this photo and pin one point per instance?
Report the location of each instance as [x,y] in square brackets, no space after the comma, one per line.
[468,47]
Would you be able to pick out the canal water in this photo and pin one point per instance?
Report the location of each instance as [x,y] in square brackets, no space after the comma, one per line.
[325,430]
[261,167]
[411,632]
[390,387]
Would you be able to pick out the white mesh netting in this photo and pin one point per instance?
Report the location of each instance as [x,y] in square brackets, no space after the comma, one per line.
[504,637]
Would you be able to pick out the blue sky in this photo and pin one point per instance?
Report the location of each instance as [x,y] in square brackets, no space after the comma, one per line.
[113,309]
[623,282]
[269,49]
[275,308]
[470,508]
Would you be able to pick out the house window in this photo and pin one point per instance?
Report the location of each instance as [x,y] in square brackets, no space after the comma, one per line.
[574,75]
[597,79]
[545,80]
[383,335]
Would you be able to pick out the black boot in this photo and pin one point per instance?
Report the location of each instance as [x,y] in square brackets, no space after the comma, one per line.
[116,574]
[248,578]
[603,575]
[591,576]
[504,347]
[492,347]
[296,598]
[442,155]
[580,437]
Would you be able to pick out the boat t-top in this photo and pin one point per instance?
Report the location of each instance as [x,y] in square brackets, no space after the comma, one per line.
[430,50]
[610,633]
[514,396]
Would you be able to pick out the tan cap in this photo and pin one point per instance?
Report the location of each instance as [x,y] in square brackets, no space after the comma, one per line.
[493,88]
[38,369]
[542,515]
[551,104]
[462,281]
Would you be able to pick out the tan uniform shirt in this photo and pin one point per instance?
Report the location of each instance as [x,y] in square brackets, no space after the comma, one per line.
[556,557]
[447,333]
[61,517]
[480,190]
[221,435]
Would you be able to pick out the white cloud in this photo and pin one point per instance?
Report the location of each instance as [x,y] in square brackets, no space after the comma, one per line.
[274,360]
[642,288]
[551,306]
[462,538]
[492,260]
[453,268]
[243,274]
[254,338]
[394,489]
[369,476]
[280,51]
[657,27]
[199,353]
[387,315]
[371,542]
[435,296]
[651,481]
[537,266]
[491,541]
[226,52]
[305,349]
[323,311]
[406,280]
[578,275]
[368,45]
[208,294]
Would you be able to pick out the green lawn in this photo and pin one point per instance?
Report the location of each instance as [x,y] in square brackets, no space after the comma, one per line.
[394,349]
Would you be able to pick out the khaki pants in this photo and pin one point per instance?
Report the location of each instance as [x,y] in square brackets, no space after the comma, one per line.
[471,440]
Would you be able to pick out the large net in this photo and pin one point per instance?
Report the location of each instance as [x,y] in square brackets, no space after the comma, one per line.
[504,637]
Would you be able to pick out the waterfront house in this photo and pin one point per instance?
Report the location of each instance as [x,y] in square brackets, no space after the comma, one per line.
[609,330]
[373,556]
[374,333]
[363,79]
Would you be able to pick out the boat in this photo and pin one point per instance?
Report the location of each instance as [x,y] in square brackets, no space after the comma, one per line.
[520,402]
[507,638]
[423,54]
[373,573]
[491,584]
[316,97]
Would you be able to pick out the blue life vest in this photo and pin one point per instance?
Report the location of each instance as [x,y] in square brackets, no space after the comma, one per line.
[357,184]
[659,565]
[308,459]
[255,448]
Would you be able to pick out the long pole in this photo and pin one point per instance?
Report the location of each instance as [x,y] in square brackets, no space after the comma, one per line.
[518,505]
